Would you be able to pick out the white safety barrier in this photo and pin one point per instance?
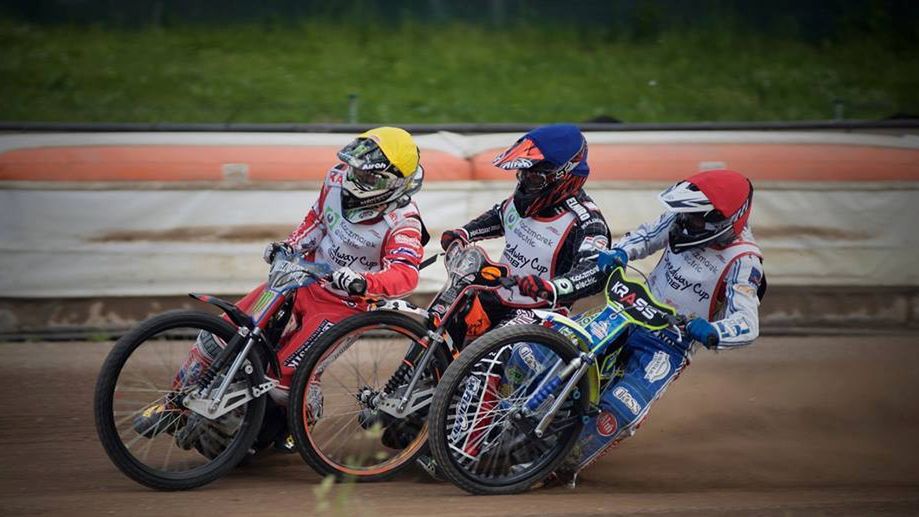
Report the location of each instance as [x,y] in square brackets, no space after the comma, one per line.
[88,242]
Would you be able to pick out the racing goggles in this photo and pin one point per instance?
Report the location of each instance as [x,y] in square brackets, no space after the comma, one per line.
[368,180]
[701,222]
[539,176]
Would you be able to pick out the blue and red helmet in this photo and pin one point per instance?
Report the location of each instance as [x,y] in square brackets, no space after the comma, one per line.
[551,165]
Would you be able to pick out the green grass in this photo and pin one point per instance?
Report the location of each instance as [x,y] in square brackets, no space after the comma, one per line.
[453,73]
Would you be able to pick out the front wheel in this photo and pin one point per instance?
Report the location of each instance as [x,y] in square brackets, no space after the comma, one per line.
[481,436]
[140,418]
[343,394]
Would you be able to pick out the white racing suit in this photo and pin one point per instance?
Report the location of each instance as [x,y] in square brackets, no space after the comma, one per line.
[721,284]
[386,251]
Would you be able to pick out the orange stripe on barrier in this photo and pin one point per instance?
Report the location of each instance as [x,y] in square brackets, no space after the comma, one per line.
[193,163]
[770,162]
[633,162]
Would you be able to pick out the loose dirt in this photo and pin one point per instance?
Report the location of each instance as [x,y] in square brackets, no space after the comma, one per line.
[790,426]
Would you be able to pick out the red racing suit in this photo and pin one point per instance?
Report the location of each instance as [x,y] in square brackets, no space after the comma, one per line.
[387,252]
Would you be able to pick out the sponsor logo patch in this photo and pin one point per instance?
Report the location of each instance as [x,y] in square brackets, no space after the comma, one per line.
[606,424]
[526,353]
[745,289]
[578,209]
[658,368]
[293,360]
[402,238]
[626,398]
[599,328]
[756,276]
[461,424]
[515,375]
[563,286]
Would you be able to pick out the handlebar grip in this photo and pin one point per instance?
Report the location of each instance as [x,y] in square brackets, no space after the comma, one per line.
[358,286]
[677,320]
[711,342]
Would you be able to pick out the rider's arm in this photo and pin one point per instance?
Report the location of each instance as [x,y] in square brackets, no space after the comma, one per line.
[647,238]
[581,275]
[486,226]
[739,324]
[402,256]
[307,236]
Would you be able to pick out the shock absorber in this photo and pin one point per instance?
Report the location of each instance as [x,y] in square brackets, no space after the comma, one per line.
[543,393]
[222,359]
[401,376]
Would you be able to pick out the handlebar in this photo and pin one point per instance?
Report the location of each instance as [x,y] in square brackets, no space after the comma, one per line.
[679,322]
[508,281]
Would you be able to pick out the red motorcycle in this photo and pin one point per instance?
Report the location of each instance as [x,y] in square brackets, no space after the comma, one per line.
[359,400]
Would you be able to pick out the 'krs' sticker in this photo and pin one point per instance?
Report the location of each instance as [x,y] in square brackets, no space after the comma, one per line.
[606,424]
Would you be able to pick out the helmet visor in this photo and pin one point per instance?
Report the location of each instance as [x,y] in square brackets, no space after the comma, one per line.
[701,224]
[372,180]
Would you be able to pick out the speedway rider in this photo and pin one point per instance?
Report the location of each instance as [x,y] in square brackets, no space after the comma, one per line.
[711,270]
[549,224]
[365,225]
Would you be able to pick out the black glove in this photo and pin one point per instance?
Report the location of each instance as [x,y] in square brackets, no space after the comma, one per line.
[272,249]
[348,281]
[449,236]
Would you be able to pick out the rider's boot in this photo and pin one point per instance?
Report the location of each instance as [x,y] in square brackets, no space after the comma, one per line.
[400,434]
[157,418]
[199,357]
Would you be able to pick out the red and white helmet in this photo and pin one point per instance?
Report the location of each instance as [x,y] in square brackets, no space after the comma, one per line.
[712,208]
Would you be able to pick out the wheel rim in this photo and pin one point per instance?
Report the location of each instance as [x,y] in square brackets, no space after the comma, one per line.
[483,441]
[347,434]
[180,443]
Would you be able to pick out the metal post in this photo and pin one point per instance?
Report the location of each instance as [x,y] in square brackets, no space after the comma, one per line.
[352,108]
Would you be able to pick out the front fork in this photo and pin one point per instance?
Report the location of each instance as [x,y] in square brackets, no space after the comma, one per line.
[573,372]
[410,401]
[211,404]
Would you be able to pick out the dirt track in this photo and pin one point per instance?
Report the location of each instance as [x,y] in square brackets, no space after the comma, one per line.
[790,426]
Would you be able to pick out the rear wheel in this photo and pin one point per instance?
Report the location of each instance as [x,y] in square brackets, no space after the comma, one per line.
[140,419]
[481,438]
[338,395]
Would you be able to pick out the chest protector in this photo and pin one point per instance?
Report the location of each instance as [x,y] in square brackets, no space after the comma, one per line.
[531,246]
[358,246]
[693,281]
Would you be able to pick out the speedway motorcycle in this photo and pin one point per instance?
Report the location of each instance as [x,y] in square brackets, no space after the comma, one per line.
[170,421]
[508,412]
[360,397]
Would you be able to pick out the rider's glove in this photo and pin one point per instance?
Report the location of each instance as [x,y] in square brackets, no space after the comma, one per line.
[610,259]
[272,249]
[536,288]
[449,236]
[348,281]
[703,332]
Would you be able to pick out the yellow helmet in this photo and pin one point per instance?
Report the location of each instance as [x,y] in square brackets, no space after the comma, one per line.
[383,172]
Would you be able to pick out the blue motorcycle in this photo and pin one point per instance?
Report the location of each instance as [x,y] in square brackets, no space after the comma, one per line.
[509,410]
